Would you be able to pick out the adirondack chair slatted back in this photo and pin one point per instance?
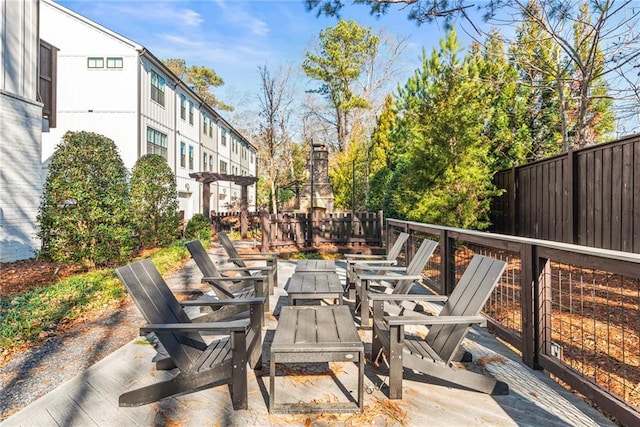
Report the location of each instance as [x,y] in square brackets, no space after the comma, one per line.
[417,264]
[159,306]
[467,299]
[397,246]
[208,268]
[227,244]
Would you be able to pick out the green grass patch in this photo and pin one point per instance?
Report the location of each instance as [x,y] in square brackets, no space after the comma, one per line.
[24,317]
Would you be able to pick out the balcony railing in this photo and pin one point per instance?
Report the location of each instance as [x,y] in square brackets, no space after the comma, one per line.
[571,310]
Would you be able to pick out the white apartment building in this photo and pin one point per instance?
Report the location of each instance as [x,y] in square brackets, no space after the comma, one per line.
[114,86]
[21,112]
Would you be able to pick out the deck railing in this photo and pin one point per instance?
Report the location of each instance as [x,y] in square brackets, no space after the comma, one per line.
[571,310]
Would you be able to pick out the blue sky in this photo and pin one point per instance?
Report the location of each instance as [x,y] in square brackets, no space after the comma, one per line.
[235,37]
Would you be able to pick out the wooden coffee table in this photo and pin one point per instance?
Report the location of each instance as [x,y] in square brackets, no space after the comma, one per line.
[314,286]
[316,335]
[309,265]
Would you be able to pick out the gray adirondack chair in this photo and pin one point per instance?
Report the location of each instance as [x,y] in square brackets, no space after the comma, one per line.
[390,279]
[270,259]
[199,365]
[371,261]
[433,354]
[226,287]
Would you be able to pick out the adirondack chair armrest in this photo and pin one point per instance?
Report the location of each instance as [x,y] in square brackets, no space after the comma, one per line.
[408,297]
[367,263]
[219,327]
[251,268]
[359,257]
[255,257]
[234,278]
[434,320]
[390,268]
[223,302]
[389,278]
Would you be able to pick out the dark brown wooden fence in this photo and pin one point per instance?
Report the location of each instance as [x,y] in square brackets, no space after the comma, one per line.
[305,230]
[588,197]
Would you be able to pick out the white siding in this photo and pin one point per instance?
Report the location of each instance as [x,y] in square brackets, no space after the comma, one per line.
[20,180]
[20,130]
[101,100]
[19,48]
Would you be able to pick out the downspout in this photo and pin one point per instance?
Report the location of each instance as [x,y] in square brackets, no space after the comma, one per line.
[175,131]
[139,103]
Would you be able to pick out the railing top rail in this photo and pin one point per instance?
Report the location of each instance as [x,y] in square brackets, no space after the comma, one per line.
[567,247]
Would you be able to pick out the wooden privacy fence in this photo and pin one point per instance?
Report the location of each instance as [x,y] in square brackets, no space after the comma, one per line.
[571,310]
[306,230]
[588,197]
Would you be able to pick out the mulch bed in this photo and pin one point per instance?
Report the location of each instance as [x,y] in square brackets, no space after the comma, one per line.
[17,278]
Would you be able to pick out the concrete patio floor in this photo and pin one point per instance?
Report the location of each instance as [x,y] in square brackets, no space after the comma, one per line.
[91,398]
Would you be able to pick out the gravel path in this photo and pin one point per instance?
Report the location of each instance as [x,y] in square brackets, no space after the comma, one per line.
[41,368]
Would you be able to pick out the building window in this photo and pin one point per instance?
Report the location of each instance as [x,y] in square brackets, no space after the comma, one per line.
[211,128]
[223,136]
[95,62]
[183,107]
[114,63]
[251,158]
[156,142]
[223,166]
[157,88]
[204,162]
[211,163]
[191,157]
[190,112]
[183,154]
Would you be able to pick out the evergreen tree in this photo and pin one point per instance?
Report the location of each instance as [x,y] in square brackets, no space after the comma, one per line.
[199,78]
[85,211]
[541,75]
[593,114]
[349,174]
[505,109]
[380,156]
[446,179]
[343,52]
[154,201]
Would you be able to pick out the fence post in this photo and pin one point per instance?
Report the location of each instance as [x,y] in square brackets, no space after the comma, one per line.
[543,311]
[447,263]
[531,298]
[266,235]
[572,221]
[513,203]
[382,241]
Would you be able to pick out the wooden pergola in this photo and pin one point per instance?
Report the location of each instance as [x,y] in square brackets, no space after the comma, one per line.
[206,178]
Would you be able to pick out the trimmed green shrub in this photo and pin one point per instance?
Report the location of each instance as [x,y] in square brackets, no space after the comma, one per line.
[85,211]
[198,227]
[154,202]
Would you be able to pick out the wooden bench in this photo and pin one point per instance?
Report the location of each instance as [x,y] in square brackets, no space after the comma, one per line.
[316,335]
[314,286]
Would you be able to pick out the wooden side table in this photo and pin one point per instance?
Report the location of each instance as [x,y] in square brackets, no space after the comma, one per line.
[314,286]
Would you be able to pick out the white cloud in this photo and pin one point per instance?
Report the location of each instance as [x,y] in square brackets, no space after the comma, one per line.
[239,15]
[164,12]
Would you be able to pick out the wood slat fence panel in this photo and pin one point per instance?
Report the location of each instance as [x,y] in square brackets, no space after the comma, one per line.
[588,197]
